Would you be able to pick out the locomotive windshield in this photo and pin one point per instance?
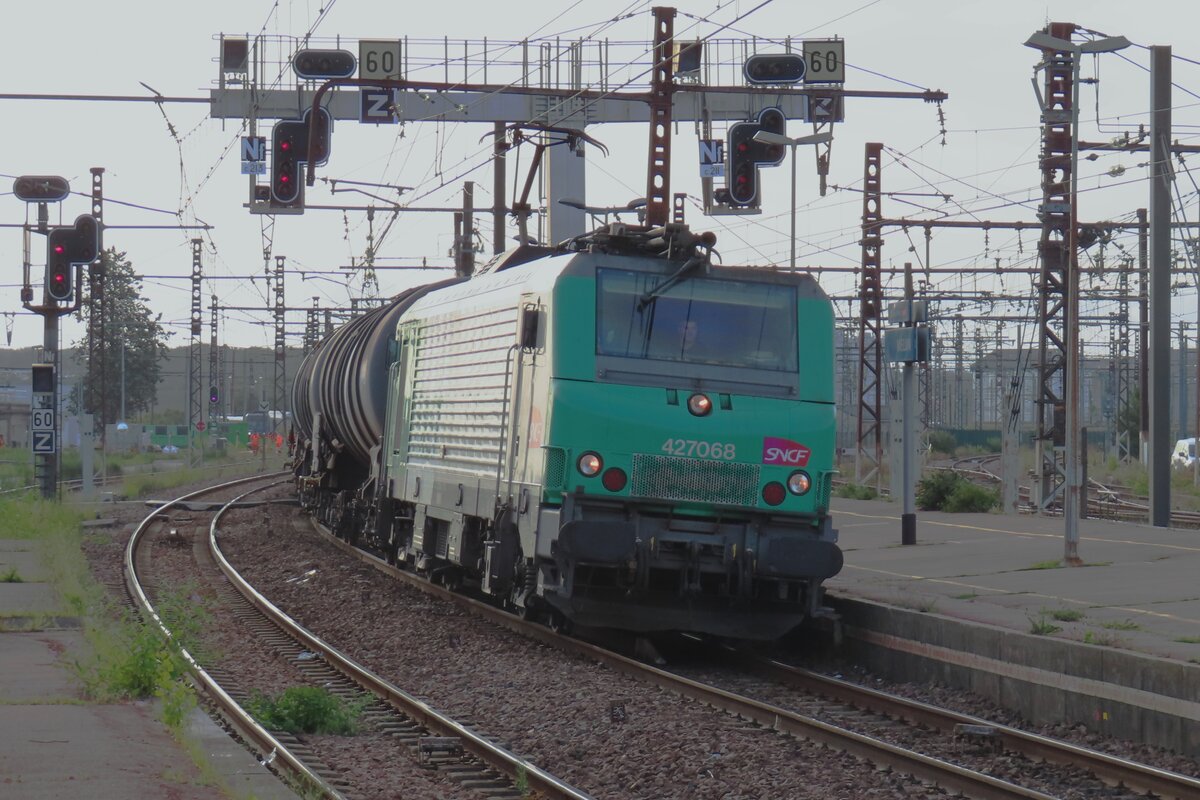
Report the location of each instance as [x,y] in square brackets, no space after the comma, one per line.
[698,321]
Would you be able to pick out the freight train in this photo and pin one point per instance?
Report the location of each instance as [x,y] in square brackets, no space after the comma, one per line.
[615,432]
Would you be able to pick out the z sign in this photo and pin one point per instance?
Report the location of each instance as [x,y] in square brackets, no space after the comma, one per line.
[784,452]
[43,442]
[377,106]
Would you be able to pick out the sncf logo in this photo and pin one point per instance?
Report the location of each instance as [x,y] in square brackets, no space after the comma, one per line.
[785,452]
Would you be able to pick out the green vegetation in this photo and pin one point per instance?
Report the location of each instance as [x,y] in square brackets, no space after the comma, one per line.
[1188,639]
[128,320]
[145,484]
[1043,565]
[12,576]
[944,490]
[1121,625]
[967,596]
[942,442]
[853,491]
[933,489]
[969,498]
[127,659]
[1067,614]
[1040,626]
[1101,639]
[305,709]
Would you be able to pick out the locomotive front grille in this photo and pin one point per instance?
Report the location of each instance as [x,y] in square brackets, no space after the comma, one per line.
[695,480]
[823,491]
[556,467]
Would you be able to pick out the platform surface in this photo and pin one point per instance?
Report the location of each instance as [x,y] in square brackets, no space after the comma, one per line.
[57,745]
[1139,587]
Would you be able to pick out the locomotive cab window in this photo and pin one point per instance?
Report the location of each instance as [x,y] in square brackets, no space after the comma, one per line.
[698,321]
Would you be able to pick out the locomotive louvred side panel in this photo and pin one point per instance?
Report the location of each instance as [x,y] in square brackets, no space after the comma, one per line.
[458,407]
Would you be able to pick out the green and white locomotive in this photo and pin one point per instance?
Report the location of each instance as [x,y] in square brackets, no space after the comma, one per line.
[615,433]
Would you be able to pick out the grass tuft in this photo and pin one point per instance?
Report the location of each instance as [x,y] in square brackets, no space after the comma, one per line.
[305,709]
[1121,625]
[1040,626]
[852,491]
[1101,639]
[1067,614]
[12,576]
[1043,565]
[1188,639]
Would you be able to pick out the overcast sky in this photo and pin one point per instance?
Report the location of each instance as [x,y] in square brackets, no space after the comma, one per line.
[184,167]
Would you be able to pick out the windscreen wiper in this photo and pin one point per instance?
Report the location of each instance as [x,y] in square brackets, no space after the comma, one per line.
[654,293]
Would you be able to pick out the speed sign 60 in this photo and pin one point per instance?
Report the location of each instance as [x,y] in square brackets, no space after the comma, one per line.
[825,60]
[379,60]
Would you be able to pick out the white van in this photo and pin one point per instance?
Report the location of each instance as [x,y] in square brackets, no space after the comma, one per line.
[1184,454]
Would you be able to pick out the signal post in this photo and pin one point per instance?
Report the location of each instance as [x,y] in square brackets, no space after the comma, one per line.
[66,248]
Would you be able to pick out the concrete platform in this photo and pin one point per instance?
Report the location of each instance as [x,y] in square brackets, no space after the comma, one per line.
[984,601]
[1139,588]
[55,745]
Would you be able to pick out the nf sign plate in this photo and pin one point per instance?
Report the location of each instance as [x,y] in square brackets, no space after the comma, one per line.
[43,442]
[712,158]
[254,155]
[379,60]
[42,419]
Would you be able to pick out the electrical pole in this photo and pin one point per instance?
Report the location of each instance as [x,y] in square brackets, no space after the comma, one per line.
[870,327]
[195,412]
[1160,286]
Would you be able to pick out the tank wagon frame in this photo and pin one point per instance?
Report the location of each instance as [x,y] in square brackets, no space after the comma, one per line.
[554,433]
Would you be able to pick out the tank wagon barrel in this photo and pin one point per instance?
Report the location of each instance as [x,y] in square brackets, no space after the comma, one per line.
[345,378]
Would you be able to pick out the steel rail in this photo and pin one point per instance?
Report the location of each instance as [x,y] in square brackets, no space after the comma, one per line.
[1139,777]
[948,776]
[512,765]
[241,721]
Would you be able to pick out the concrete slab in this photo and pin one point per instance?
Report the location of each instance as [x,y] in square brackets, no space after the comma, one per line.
[33,668]
[28,598]
[27,564]
[100,752]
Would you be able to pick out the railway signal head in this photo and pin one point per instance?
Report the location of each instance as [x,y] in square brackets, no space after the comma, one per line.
[41,188]
[324,64]
[65,248]
[774,68]
[746,155]
[290,150]
[213,395]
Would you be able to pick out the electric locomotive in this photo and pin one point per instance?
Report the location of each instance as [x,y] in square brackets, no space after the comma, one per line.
[616,432]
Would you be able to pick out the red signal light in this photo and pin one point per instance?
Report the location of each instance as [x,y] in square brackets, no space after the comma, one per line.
[285,145]
[58,249]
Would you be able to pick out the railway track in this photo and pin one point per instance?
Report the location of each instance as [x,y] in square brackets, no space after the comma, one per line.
[1103,501]
[856,720]
[862,707]
[956,753]
[477,766]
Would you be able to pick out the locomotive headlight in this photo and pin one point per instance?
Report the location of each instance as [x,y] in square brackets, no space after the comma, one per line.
[699,405]
[799,482]
[590,465]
